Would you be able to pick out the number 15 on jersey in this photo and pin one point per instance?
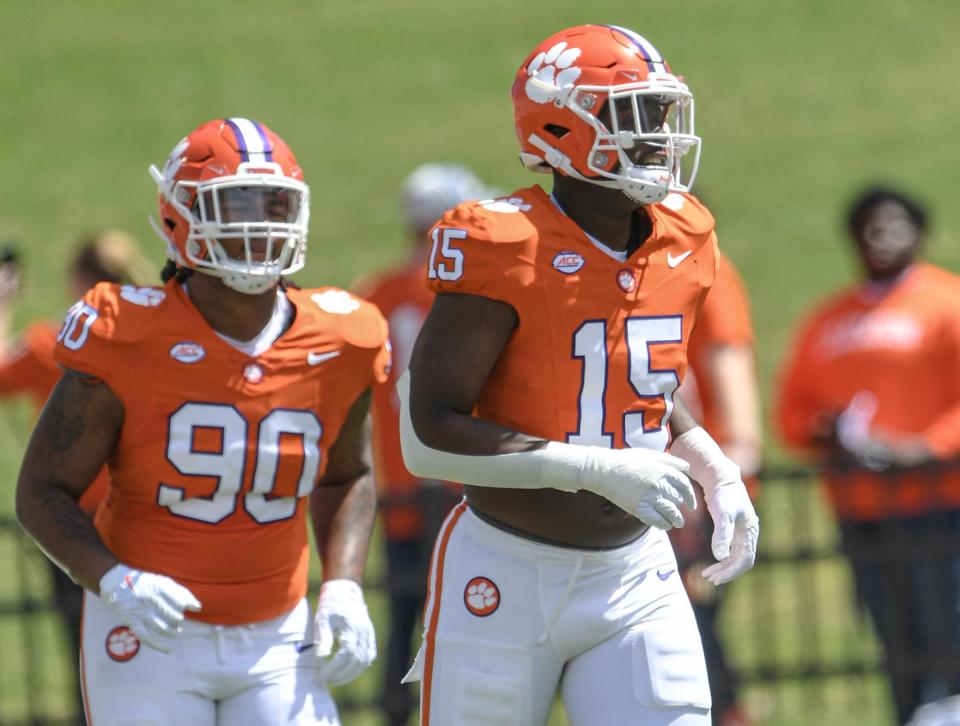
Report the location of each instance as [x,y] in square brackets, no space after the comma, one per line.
[642,335]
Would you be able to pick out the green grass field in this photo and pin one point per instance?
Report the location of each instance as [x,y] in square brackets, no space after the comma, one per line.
[799,102]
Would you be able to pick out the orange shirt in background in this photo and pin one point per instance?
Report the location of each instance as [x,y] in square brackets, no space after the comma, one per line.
[600,347]
[219,451]
[724,320]
[900,346]
[404,301]
[32,370]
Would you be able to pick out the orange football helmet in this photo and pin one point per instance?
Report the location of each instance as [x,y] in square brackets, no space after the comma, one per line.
[599,103]
[233,204]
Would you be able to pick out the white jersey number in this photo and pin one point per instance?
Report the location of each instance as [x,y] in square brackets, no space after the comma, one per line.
[450,265]
[590,344]
[229,463]
[76,327]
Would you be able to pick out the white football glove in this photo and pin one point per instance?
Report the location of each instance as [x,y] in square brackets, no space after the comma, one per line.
[342,631]
[151,605]
[650,485]
[736,526]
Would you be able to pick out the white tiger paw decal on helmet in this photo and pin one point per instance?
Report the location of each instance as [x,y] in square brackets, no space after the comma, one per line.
[545,83]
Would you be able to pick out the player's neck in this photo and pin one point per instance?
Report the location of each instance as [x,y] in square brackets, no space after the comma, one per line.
[605,214]
[234,314]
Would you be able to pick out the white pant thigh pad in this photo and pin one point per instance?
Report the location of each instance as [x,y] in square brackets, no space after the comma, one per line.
[651,674]
[481,683]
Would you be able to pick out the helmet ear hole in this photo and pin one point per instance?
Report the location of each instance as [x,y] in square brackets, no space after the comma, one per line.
[171,225]
[558,132]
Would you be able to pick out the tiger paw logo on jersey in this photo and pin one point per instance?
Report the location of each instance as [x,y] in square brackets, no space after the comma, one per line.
[253,373]
[545,82]
[122,644]
[626,280]
[481,596]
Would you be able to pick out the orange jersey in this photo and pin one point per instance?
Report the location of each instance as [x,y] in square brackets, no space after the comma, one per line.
[601,344]
[32,370]
[900,346]
[404,301]
[219,451]
[724,320]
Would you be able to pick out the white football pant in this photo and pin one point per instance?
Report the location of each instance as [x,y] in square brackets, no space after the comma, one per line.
[508,620]
[215,675]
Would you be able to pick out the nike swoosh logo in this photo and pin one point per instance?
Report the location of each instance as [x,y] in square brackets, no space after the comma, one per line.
[303,646]
[674,261]
[665,575]
[316,359]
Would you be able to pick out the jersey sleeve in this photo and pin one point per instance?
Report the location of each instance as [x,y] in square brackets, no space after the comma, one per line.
[85,342]
[365,330]
[485,251]
[725,317]
[795,407]
[942,436]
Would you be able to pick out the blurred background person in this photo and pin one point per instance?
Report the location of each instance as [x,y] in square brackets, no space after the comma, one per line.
[412,509]
[872,385]
[722,392]
[27,367]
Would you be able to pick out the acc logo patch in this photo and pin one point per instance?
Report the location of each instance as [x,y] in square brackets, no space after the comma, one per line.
[481,596]
[187,352]
[568,262]
[122,644]
[626,280]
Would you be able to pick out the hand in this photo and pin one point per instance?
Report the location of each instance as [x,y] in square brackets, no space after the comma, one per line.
[342,632]
[151,605]
[736,527]
[650,485]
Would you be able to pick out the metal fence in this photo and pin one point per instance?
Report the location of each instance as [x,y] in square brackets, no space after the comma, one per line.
[792,629]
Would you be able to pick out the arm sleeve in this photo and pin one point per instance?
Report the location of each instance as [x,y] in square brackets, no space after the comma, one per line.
[943,435]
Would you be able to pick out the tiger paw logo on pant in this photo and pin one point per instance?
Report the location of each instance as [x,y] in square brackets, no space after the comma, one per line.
[481,596]
[122,644]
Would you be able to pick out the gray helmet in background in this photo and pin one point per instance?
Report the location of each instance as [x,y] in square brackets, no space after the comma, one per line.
[432,189]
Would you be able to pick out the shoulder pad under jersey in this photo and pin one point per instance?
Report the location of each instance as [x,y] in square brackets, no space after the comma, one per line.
[353,319]
[503,220]
[686,214]
[106,315]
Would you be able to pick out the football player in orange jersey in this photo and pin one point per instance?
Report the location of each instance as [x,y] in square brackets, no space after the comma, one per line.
[412,509]
[227,404]
[544,379]
[872,379]
[28,368]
